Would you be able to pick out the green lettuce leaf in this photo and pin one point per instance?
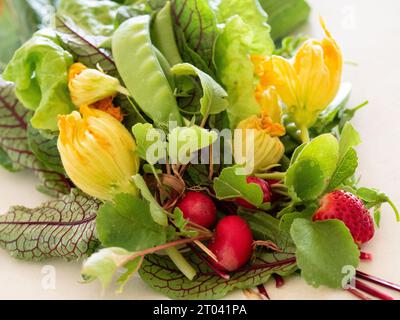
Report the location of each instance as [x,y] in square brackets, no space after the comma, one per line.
[39,70]
[95,17]
[254,17]
[324,248]
[235,69]
[62,228]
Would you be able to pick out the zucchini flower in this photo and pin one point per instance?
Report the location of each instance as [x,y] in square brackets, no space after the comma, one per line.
[265,148]
[309,84]
[98,153]
[88,86]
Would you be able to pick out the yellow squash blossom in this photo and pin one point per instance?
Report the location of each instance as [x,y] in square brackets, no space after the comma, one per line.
[98,153]
[309,84]
[265,148]
[88,86]
[266,94]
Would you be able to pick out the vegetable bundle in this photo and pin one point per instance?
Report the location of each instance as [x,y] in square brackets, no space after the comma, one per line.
[188,141]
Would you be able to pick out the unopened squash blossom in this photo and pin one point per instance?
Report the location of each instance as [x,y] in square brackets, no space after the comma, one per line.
[262,148]
[98,153]
[309,83]
[88,86]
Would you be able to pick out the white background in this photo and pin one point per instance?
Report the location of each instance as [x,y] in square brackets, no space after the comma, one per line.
[368,32]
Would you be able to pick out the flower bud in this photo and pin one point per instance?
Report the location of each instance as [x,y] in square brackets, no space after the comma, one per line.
[262,148]
[88,86]
[98,153]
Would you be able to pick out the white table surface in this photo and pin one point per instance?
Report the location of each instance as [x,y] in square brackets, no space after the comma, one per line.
[368,32]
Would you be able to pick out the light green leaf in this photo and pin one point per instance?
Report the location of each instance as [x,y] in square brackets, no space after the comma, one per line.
[346,168]
[231,185]
[157,212]
[127,223]
[374,198]
[103,265]
[305,179]
[324,248]
[324,150]
[254,16]
[183,142]
[236,70]
[214,98]
[95,17]
[39,70]
[151,145]
[349,138]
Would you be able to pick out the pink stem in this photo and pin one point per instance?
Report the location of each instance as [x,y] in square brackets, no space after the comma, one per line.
[366,256]
[358,294]
[263,291]
[372,291]
[279,282]
[376,280]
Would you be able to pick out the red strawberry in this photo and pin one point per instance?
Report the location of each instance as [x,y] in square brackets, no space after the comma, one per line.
[348,208]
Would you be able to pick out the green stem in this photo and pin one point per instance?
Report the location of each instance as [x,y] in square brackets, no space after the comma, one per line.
[180,261]
[304,135]
[272,176]
[394,209]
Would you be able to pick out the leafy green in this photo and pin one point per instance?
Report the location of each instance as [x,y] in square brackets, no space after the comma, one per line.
[94,17]
[44,147]
[39,70]
[127,223]
[265,227]
[253,16]
[374,198]
[104,264]
[235,69]
[62,227]
[157,212]
[323,249]
[214,98]
[289,46]
[230,185]
[151,145]
[184,141]
[16,154]
[160,273]
[346,168]
[285,15]
[305,179]
[349,138]
[196,32]
[312,167]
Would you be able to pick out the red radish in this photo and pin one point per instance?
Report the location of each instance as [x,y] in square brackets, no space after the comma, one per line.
[266,189]
[349,209]
[232,243]
[198,208]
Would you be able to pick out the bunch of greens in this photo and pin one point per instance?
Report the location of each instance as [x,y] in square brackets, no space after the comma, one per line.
[187,62]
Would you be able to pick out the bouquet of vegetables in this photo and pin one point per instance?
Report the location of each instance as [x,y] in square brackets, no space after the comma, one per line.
[194,142]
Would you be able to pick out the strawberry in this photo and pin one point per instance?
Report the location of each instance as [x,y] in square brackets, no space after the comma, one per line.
[348,208]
